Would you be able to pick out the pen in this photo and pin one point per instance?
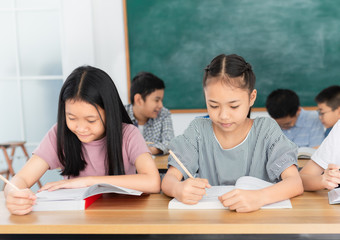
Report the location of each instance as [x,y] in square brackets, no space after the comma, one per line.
[8,182]
[181,164]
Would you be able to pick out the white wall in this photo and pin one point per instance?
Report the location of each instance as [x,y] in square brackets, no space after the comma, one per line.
[109,42]
[92,33]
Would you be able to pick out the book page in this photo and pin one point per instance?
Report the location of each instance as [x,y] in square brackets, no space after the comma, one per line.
[209,201]
[82,193]
[253,183]
[334,196]
[305,152]
[62,194]
[108,188]
[64,205]
[216,191]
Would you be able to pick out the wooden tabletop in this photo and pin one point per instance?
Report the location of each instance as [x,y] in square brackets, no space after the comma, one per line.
[161,161]
[148,214]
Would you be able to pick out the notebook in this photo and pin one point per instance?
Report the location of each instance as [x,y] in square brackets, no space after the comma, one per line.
[305,152]
[210,200]
[77,198]
[334,196]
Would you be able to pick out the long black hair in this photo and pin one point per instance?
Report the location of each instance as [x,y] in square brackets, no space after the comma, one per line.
[93,86]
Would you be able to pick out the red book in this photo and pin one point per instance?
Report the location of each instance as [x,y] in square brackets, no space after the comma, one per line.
[77,198]
[92,199]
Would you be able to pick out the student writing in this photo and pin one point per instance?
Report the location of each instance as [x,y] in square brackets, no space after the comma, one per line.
[323,169]
[147,112]
[229,145]
[328,101]
[94,141]
[302,127]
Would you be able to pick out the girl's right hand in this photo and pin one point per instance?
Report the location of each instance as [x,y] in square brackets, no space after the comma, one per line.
[191,190]
[331,177]
[20,202]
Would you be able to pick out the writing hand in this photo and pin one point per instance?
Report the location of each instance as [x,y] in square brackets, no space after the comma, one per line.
[20,202]
[331,177]
[191,190]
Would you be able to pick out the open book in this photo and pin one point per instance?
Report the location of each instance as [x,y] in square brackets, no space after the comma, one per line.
[76,198]
[305,152]
[334,196]
[210,201]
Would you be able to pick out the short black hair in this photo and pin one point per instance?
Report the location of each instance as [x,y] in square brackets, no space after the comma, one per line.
[145,83]
[282,103]
[330,96]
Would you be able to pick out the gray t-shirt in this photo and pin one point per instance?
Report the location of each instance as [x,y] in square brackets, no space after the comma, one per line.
[265,153]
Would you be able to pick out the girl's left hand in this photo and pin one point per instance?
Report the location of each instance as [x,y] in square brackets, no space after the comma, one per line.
[242,200]
[79,182]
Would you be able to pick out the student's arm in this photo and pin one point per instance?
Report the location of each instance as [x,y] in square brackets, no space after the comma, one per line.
[327,153]
[314,177]
[189,191]
[21,202]
[155,150]
[146,180]
[251,200]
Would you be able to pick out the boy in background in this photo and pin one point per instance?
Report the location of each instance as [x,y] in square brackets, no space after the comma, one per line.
[147,112]
[301,127]
[328,101]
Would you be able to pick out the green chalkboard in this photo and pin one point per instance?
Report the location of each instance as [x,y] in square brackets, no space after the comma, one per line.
[291,44]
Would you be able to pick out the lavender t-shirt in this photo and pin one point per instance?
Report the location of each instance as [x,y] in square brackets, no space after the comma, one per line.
[133,146]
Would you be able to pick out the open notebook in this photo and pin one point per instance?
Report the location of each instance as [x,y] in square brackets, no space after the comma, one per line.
[334,196]
[305,152]
[77,198]
[210,201]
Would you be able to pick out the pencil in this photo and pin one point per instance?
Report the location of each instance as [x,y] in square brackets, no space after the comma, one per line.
[181,164]
[149,143]
[8,182]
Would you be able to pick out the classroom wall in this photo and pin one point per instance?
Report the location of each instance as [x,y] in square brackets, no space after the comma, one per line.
[109,53]
[96,37]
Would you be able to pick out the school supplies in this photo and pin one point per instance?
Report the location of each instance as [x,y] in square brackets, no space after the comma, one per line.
[334,196]
[211,201]
[8,182]
[77,198]
[181,164]
[305,152]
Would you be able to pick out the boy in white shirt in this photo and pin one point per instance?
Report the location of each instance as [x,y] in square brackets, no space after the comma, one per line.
[322,171]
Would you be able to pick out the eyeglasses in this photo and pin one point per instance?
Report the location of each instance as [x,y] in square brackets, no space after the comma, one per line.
[321,114]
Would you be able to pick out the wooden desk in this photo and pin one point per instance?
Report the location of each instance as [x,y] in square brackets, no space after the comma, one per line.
[162,162]
[117,214]
[302,162]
